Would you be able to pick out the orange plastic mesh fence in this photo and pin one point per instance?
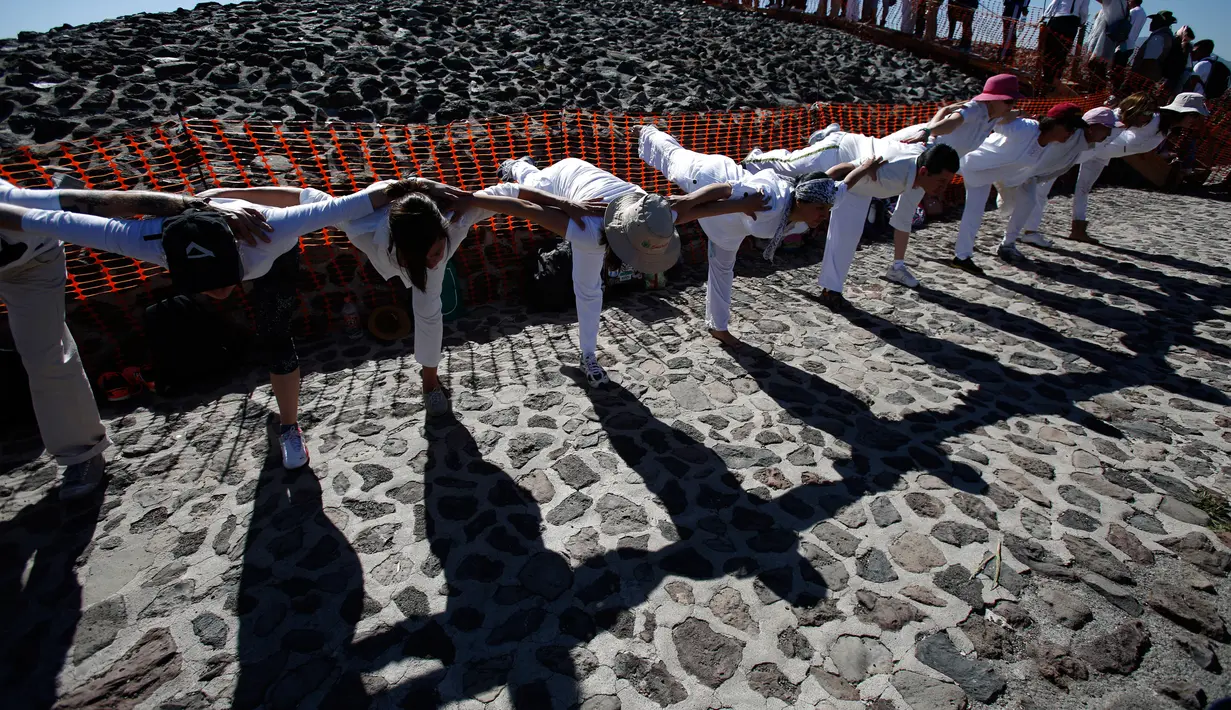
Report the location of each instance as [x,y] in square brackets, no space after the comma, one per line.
[194,155]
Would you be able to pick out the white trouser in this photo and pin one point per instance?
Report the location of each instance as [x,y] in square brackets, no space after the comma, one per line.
[846,221]
[818,157]
[63,401]
[691,171]
[1035,220]
[588,261]
[1018,202]
[972,219]
[1087,175]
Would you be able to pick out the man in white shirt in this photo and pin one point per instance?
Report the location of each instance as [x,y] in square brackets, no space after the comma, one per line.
[1203,65]
[1025,201]
[1008,156]
[203,255]
[1064,21]
[964,130]
[32,277]
[1136,16]
[793,206]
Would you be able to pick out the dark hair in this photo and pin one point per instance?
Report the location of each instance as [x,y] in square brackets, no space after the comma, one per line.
[415,224]
[1168,120]
[1206,44]
[1071,121]
[939,158]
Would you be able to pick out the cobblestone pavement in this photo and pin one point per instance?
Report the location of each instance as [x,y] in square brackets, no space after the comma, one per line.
[814,521]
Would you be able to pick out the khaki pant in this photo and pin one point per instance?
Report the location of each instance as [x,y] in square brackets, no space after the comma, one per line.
[63,401]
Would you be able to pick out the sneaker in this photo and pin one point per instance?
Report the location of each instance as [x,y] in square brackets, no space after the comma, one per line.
[114,387]
[898,273]
[437,402]
[80,479]
[753,155]
[596,376]
[824,133]
[968,265]
[505,173]
[1009,253]
[1036,239]
[294,450]
[834,300]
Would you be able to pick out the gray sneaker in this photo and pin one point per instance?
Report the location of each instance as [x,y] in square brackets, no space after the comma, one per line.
[437,402]
[1009,253]
[80,479]
[824,133]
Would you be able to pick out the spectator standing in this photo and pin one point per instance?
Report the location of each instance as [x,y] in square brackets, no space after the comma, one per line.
[1014,12]
[1063,22]
[1111,29]
[1148,59]
[1209,77]
[885,5]
[1178,61]
[963,11]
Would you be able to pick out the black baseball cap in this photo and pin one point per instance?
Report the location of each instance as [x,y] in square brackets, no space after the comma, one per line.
[202,254]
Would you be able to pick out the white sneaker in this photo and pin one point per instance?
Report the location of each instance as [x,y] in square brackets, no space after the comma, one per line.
[824,133]
[1036,239]
[898,273]
[1009,252]
[596,376]
[753,155]
[294,450]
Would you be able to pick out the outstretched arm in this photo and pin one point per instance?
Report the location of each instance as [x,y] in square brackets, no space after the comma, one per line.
[576,211]
[749,204]
[840,171]
[247,223]
[947,120]
[867,169]
[268,196]
[550,218]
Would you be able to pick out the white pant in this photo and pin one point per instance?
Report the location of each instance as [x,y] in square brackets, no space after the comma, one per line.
[588,261]
[1019,202]
[972,219]
[429,320]
[1087,175]
[818,157]
[63,401]
[846,221]
[691,171]
[1035,220]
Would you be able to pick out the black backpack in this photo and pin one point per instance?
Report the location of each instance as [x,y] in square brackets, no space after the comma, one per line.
[549,278]
[18,410]
[1220,76]
[877,226]
[191,346]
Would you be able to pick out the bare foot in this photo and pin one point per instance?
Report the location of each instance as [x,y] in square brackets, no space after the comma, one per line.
[725,337]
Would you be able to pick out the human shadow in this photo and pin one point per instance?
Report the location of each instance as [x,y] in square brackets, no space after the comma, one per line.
[1174,262]
[40,594]
[300,596]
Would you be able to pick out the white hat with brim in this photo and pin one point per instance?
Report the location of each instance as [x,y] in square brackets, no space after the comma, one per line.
[1188,102]
[641,231]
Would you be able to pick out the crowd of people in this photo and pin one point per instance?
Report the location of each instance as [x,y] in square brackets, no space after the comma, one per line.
[1108,50]
[215,241]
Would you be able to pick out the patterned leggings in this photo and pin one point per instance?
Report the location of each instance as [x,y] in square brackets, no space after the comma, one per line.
[274,298]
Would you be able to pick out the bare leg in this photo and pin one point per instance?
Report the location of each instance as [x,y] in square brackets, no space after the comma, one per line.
[431,379]
[286,393]
[900,241]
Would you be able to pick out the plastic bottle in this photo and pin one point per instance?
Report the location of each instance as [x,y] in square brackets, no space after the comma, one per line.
[350,320]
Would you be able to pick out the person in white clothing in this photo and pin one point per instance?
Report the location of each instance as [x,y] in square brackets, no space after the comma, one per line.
[1137,18]
[638,228]
[794,205]
[1111,26]
[203,255]
[1008,155]
[964,130]
[1186,111]
[1025,200]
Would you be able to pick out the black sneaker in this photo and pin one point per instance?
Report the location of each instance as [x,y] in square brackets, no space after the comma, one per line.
[834,301]
[968,265]
[81,479]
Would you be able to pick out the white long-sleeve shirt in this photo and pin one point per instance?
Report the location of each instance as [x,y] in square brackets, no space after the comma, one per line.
[1130,141]
[1137,16]
[30,199]
[138,239]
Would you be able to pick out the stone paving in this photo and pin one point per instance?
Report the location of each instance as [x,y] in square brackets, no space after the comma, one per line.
[983,493]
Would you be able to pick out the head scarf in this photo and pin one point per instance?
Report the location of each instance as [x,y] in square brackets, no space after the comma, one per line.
[819,191]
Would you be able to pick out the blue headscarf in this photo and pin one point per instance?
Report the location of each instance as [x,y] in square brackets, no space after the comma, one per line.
[821,191]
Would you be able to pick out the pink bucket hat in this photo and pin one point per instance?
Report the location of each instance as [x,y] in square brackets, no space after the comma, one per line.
[1002,87]
[1101,116]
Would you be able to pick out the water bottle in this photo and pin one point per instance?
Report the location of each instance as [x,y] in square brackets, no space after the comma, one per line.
[350,320]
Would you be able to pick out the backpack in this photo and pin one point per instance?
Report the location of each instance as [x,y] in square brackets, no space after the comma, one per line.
[18,410]
[1118,31]
[549,278]
[451,302]
[877,225]
[1220,76]
[191,346]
